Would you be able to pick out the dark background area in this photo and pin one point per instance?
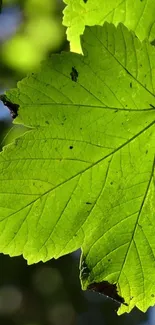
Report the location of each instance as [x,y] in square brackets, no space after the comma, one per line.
[44,293]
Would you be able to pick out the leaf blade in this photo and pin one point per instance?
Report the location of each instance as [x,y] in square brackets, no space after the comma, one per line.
[86,163]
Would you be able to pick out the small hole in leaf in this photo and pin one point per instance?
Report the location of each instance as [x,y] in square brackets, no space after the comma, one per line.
[13,108]
[88,203]
[70,147]
[74,74]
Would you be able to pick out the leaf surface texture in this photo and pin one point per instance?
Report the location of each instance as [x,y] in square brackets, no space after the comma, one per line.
[83,175]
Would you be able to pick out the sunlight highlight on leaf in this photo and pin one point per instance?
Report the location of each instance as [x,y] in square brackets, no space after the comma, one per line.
[83,175]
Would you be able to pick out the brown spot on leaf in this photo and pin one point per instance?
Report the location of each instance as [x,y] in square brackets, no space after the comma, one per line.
[108,289]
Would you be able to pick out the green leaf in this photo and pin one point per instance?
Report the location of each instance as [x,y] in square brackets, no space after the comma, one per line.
[83,175]
[137,15]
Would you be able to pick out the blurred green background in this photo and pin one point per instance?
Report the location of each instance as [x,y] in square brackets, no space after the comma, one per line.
[50,293]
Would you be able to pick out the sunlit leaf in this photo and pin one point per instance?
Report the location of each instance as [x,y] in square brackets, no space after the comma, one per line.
[137,15]
[83,175]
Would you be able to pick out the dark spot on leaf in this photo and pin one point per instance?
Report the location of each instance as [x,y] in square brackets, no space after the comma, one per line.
[64,118]
[152,106]
[153,42]
[80,128]
[11,106]
[85,1]
[116,110]
[111,183]
[32,74]
[16,142]
[140,65]
[126,105]
[109,260]
[71,147]
[88,203]
[152,295]
[130,84]
[108,289]
[131,298]
[84,270]
[62,123]
[146,152]
[46,122]
[74,74]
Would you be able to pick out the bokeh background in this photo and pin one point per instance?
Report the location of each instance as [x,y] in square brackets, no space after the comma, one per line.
[44,293]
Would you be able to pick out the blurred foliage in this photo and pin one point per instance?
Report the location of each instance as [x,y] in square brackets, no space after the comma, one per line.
[39,33]
[50,294]
[35,32]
